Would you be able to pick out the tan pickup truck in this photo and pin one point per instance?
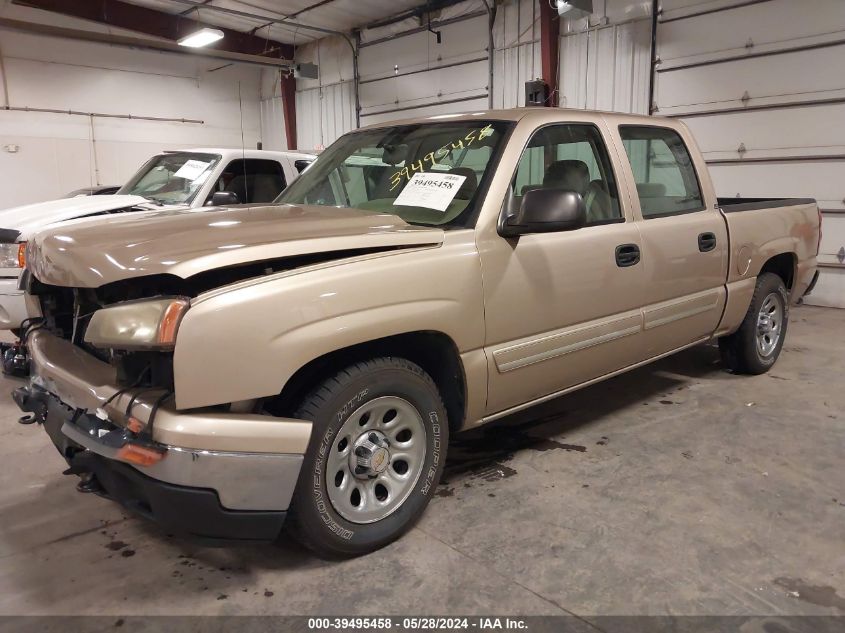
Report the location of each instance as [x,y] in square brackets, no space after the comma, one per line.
[228,372]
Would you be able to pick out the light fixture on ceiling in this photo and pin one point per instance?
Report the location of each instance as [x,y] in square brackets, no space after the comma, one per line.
[203,37]
[574,9]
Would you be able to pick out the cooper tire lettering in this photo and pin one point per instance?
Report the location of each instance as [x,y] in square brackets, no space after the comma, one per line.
[312,516]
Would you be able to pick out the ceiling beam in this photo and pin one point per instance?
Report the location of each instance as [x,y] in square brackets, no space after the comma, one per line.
[167,26]
[146,44]
[310,7]
[261,18]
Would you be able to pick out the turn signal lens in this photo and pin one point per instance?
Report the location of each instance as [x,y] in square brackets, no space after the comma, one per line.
[135,425]
[22,255]
[170,321]
[140,455]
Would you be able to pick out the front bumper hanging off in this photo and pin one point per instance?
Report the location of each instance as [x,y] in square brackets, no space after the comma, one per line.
[218,476]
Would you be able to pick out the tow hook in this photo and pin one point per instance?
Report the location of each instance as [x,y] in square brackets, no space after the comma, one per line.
[80,464]
[31,401]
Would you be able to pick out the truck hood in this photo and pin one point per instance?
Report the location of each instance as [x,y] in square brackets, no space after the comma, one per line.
[184,243]
[32,217]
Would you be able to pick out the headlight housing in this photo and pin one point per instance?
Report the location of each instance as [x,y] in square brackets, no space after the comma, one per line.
[145,324]
[13,255]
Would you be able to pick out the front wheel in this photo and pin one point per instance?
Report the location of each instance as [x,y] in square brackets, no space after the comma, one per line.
[756,345]
[375,457]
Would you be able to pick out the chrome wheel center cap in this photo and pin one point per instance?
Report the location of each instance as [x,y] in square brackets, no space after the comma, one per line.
[764,325]
[370,456]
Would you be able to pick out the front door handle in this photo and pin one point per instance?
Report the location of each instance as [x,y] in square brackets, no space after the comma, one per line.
[627,255]
[706,242]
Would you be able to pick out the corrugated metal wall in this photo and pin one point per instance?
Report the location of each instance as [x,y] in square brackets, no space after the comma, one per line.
[325,107]
[405,73]
[607,67]
[604,62]
[516,58]
[762,86]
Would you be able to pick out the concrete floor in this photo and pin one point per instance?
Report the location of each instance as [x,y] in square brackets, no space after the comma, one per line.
[676,489]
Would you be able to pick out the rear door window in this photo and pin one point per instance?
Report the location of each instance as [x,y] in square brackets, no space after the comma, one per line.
[667,183]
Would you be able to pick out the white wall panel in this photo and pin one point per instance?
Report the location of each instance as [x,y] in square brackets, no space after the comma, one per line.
[516,37]
[749,29]
[56,150]
[477,105]
[309,120]
[768,76]
[460,41]
[413,71]
[675,9]
[830,289]
[325,107]
[338,111]
[271,107]
[424,88]
[780,78]
[782,180]
[771,133]
[607,68]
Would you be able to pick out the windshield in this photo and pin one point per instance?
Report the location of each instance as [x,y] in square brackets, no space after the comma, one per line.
[173,178]
[429,174]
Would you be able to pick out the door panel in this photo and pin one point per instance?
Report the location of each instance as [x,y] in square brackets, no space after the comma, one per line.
[559,311]
[685,287]
[684,243]
[562,308]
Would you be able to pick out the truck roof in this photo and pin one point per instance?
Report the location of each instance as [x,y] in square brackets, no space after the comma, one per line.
[229,153]
[517,114]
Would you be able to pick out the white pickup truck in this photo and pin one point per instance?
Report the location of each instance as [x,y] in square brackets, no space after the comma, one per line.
[173,180]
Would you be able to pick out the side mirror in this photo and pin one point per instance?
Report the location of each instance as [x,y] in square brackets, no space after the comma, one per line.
[224,198]
[546,211]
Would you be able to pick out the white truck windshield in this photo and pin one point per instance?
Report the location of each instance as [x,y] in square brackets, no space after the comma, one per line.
[172,178]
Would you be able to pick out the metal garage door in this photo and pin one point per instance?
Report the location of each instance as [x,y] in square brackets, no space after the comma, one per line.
[762,85]
[410,74]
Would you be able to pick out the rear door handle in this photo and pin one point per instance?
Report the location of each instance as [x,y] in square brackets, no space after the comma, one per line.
[706,242]
[627,255]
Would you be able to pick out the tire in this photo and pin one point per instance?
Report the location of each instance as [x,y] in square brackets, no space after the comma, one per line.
[749,350]
[347,410]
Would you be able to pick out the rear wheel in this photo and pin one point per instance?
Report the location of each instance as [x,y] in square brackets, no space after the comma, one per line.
[756,345]
[375,457]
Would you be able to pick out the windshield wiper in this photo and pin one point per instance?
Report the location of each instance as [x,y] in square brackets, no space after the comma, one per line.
[154,200]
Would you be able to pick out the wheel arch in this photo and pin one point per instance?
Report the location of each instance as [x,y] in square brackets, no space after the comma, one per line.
[783,265]
[434,351]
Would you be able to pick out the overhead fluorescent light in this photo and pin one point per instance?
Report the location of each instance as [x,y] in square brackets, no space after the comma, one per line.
[203,37]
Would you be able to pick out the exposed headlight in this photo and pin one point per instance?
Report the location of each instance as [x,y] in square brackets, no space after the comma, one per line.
[147,324]
[13,255]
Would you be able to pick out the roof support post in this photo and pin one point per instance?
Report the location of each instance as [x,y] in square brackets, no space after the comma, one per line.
[550,49]
[288,89]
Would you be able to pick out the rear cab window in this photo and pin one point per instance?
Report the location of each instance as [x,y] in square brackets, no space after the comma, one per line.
[666,180]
